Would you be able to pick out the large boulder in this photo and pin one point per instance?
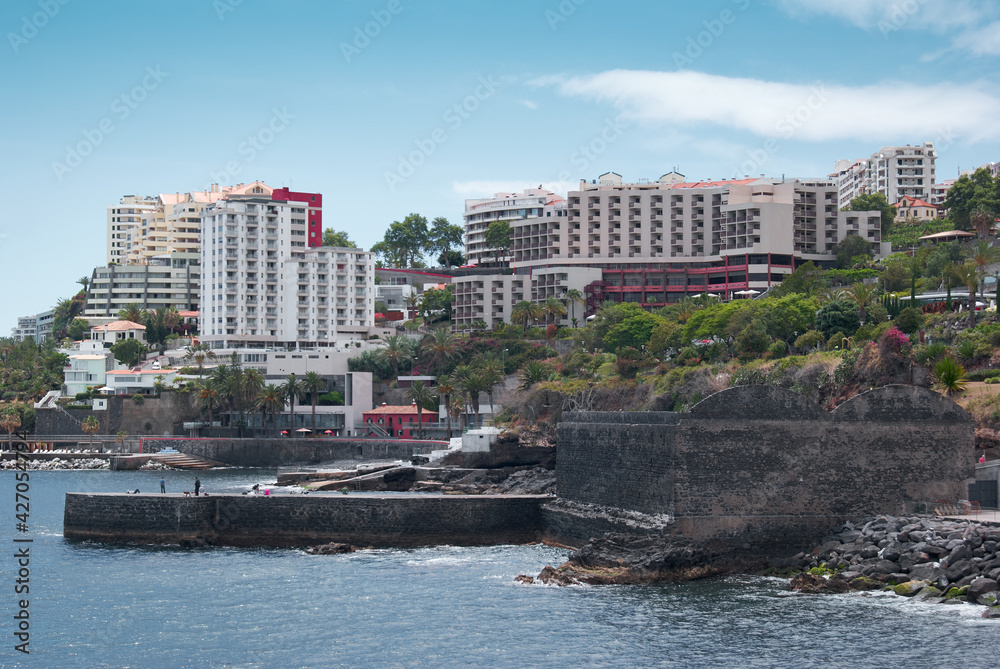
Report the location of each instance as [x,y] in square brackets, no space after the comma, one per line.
[980,587]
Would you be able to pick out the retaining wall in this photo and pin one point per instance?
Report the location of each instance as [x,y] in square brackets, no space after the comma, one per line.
[759,465]
[302,520]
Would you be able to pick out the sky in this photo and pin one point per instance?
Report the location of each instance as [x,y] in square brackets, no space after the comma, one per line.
[388,107]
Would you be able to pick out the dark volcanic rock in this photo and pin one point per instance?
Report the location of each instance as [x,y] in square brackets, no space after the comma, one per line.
[331,549]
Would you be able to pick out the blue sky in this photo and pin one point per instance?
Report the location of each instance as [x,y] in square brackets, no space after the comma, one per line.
[449,100]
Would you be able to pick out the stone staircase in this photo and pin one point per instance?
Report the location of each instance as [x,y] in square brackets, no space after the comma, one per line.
[185,461]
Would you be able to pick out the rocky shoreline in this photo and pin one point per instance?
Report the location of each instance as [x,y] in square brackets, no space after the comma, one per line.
[56,463]
[932,559]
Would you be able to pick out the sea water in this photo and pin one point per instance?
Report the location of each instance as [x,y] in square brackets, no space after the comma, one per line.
[102,605]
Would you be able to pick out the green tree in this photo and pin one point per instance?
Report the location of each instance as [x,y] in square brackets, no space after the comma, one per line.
[77,329]
[968,275]
[850,248]
[451,259]
[667,335]
[420,395]
[875,202]
[807,279]
[982,255]
[85,282]
[128,351]
[633,331]
[838,316]
[497,239]
[314,385]
[908,320]
[337,238]
[972,192]
[436,303]
[404,242]
[442,237]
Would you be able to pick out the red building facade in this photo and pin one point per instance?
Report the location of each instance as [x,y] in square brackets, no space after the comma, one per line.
[398,421]
[314,212]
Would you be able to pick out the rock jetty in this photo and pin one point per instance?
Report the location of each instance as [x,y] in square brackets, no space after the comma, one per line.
[57,463]
[935,559]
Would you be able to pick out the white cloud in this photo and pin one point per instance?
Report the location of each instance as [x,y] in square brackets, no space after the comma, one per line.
[815,112]
[890,15]
[484,189]
[982,42]
[529,104]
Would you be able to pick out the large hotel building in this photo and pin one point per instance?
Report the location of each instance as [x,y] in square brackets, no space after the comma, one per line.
[266,281]
[654,243]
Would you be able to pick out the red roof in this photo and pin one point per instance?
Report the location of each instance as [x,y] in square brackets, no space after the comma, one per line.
[715,184]
[910,201]
[119,326]
[404,409]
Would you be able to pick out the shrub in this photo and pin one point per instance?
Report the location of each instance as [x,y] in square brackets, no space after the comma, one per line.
[138,399]
[835,341]
[909,320]
[778,349]
[929,353]
[991,380]
[811,339]
[333,398]
[949,375]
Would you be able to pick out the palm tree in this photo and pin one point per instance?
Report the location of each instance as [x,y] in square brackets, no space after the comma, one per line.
[412,301]
[199,353]
[293,390]
[420,395]
[397,349]
[223,380]
[171,318]
[982,255]
[133,312]
[10,420]
[251,387]
[968,276]
[446,388]
[572,297]
[982,222]
[441,346]
[313,384]
[84,281]
[472,384]
[208,395]
[491,373]
[532,373]
[863,295]
[553,309]
[270,402]
[91,426]
[525,313]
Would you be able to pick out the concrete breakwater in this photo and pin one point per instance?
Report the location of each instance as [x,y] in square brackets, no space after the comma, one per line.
[304,520]
[290,451]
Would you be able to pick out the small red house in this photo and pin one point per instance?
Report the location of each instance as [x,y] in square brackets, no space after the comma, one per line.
[398,421]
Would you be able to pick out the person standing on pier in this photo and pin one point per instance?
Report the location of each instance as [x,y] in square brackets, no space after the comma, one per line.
[163,486]
[197,486]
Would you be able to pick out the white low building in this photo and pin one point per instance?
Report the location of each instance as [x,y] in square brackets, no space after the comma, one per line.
[126,382]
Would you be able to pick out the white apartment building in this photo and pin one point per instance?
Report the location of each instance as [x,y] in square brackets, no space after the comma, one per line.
[263,286]
[894,171]
[533,203]
[143,228]
[162,282]
[25,329]
[656,242]
[123,219]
